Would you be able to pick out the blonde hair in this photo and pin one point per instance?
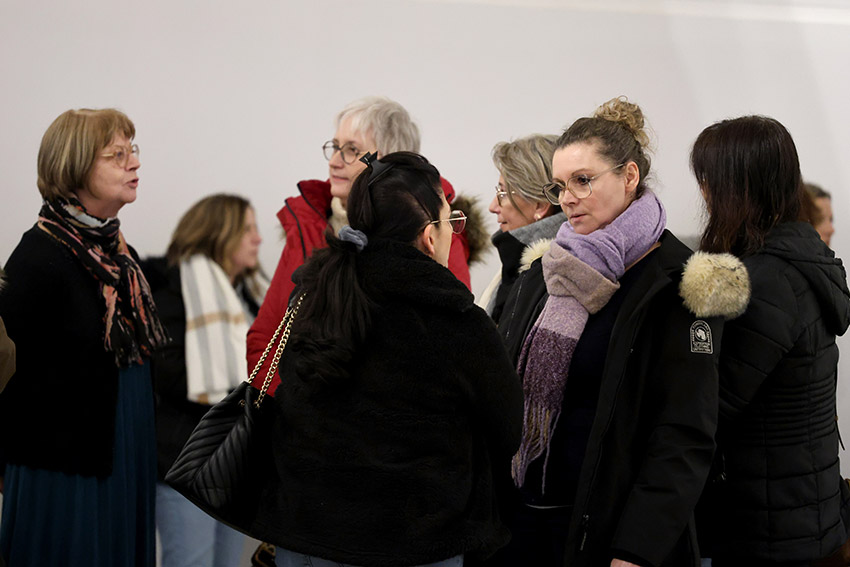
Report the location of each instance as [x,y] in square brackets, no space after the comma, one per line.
[71,145]
[619,129]
[214,227]
[385,120]
[526,165]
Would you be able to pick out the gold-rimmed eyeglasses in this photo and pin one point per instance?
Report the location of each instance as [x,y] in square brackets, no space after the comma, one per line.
[457,220]
[578,185]
[121,154]
[350,153]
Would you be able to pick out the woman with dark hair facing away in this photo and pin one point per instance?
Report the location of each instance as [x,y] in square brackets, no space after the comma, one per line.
[77,418]
[619,370]
[777,497]
[208,289]
[525,216]
[396,397]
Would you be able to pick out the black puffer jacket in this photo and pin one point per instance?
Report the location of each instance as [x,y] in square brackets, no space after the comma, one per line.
[783,498]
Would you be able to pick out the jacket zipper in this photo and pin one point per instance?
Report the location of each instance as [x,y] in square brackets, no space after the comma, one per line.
[585,520]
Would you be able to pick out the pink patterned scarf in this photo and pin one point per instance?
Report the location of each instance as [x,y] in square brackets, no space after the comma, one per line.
[133,328]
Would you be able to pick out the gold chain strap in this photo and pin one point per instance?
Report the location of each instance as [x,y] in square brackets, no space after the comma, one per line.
[285,325]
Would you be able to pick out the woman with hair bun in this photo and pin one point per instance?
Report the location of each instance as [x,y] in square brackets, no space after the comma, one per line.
[396,396]
[619,371]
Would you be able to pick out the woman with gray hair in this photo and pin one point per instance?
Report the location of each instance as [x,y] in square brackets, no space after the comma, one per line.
[371,124]
[527,220]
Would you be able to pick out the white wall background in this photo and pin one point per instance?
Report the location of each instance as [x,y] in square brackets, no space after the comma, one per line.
[239,96]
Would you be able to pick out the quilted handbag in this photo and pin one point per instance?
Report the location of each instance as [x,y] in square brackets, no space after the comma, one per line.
[227,461]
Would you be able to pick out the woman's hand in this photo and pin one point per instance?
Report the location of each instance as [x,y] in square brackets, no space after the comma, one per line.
[621,563]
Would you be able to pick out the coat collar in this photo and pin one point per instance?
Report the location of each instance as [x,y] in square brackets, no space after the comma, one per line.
[397,269]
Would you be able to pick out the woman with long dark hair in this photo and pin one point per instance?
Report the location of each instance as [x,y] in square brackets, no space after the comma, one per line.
[777,496]
[396,395]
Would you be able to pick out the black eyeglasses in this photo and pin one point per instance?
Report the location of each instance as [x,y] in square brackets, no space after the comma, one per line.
[578,185]
[457,220]
[350,153]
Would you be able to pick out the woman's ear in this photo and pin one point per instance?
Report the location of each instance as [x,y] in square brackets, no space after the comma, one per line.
[631,176]
[542,210]
[425,241]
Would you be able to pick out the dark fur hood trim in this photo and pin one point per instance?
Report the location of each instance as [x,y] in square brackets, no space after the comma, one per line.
[475,232]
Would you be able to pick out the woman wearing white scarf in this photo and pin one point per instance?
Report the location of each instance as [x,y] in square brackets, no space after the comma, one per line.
[209,289]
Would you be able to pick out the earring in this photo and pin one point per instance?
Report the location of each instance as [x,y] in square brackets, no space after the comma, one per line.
[537,216]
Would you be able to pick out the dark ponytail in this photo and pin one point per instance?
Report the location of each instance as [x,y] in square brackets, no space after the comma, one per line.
[395,203]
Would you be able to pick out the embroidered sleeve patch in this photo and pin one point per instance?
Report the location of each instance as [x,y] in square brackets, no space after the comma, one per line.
[701,338]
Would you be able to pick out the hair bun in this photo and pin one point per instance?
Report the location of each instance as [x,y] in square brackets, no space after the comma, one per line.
[627,114]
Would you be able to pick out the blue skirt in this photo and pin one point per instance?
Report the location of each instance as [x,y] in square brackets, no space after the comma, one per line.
[52,518]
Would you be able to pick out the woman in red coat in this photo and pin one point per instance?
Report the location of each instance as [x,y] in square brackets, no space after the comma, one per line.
[372,124]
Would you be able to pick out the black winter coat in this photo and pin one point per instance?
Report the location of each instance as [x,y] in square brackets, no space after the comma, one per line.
[176,415]
[783,498]
[58,410]
[393,466]
[652,439]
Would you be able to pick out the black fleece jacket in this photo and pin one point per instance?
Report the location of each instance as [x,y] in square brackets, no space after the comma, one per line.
[394,466]
[783,498]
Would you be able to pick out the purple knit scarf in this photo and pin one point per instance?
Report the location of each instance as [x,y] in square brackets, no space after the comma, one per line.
[581,274]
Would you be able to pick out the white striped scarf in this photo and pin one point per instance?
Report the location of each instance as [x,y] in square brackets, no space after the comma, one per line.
[216,327]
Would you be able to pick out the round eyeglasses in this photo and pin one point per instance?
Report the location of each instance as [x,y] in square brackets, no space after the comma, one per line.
[349,152]
[456,220]
[501,195]
[121,154]
[578,185]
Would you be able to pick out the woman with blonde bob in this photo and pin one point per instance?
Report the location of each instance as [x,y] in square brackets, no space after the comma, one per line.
[77,418]
[524,214]
[208,289]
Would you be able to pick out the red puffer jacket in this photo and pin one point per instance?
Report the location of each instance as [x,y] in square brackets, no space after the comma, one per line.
[304,221]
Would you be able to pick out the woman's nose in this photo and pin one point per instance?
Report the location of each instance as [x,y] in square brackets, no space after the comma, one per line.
[494,206]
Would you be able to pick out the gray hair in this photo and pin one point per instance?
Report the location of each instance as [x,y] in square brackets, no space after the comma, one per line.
[526,165]
[385,120]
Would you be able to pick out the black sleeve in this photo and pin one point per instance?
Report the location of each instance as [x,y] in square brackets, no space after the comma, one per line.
[755,342]
[496,388]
